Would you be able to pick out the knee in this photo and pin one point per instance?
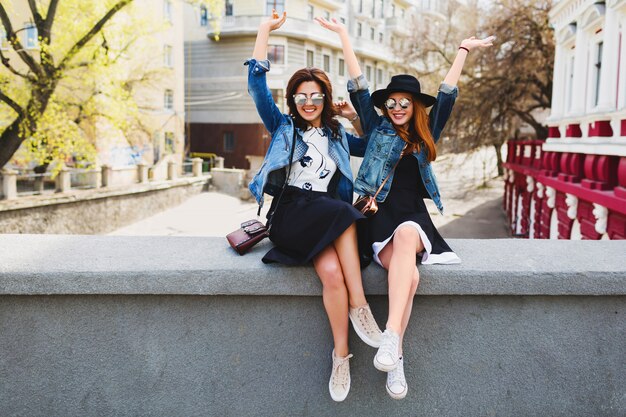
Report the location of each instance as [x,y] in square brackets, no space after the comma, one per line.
[330,274]
[406,237]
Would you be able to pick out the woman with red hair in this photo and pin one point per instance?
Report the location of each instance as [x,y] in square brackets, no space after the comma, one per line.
[397,170]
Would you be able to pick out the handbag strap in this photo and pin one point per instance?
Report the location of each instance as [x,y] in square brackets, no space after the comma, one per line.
[388,175]
[271,215]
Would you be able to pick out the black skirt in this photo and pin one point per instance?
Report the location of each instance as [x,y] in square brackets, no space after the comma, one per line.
[405,205]
[306,222]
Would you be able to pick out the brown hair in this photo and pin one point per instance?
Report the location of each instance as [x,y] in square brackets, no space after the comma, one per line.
[418,133]
[328,113]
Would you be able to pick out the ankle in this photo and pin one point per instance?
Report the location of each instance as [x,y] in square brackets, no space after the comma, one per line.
[341,352]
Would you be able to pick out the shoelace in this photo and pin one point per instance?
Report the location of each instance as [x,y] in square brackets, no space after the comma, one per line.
[367,321]
[389,344]
[341,372]
[397,375]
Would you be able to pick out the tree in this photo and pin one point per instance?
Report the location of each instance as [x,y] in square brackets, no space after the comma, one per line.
[503,86]
[53,97]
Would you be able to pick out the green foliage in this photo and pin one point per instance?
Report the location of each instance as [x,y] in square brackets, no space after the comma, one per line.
[91,78]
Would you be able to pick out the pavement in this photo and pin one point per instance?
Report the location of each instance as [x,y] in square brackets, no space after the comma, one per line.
[471,195]
[477,215]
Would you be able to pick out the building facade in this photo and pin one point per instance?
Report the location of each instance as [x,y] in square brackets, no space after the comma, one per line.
[573,185]
[221,117]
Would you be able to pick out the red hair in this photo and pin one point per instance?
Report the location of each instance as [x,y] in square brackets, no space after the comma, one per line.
[418,133]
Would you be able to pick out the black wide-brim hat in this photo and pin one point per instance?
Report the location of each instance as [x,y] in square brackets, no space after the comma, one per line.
[402,83]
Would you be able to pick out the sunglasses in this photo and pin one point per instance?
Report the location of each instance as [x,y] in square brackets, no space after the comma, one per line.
[390,103]
[316,98]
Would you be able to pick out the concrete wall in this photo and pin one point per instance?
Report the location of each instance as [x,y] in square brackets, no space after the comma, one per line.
[103,325]
[95,211]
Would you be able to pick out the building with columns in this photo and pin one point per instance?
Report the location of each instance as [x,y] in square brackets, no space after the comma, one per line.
[573,185]
[221,117]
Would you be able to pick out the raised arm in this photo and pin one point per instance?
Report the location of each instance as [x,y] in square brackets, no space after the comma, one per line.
[357,86]
[257,80]
[452,78]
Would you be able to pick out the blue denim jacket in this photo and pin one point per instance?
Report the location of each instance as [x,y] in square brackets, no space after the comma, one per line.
[385,146]
[271,176]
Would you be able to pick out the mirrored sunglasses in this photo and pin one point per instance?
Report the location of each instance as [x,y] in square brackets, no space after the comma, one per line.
[316,98]
[390,103]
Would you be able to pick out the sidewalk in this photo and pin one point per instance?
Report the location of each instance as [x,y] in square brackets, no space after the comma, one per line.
[477,214]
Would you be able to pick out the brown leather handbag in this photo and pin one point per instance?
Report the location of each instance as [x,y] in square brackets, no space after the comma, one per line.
[367,204]
[253,231]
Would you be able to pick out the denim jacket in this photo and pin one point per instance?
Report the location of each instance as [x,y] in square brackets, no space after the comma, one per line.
[385,146]
[271,176]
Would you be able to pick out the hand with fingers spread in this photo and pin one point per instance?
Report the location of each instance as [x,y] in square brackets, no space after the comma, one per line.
[472,42]
[276,20]
[331,24]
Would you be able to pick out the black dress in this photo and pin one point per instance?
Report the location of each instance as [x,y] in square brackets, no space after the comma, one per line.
[306,222]
[405,205]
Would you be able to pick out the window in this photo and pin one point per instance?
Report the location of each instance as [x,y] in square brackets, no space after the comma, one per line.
[169,142]
[393,10]
[402,13]
[342,20]
[278,5]
[381,8]
[168,57]
[276,54]
[169,100]
[380,37]
[598,66]
[4,42]
[341,70]
[204,16]
[310,59]
[167,11]
[373,11]
[368,72]
[30,36]
[379,76]
[228,8]
[360,6]
[359,29]
[372,32]
[229,141]
[279,98]
[327,15]
[310,12]
[327,63]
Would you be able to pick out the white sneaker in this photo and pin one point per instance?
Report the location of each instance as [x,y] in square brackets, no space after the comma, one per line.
[339,384]
[386,358]
[396,382]
[365,325]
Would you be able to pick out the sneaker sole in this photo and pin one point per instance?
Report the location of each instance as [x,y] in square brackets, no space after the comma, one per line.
[366,339]
[383,367]
[335,398]
[397,396]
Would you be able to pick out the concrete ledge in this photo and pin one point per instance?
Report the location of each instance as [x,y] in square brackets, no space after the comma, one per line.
[181,326]
[60,264]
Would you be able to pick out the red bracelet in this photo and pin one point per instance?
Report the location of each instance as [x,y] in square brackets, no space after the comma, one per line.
[462,47]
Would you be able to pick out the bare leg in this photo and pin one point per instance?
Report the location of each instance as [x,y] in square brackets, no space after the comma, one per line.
[335,296]
[348,253]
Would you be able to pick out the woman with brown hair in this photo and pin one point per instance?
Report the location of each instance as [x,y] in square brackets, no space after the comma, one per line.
[313,220]
[397,162]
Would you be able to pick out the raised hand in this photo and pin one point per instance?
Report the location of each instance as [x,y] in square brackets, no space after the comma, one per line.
[331,24]
[345,109]
[472,42]
[276,20]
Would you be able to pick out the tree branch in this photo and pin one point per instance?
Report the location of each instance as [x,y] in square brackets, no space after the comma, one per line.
[7,64]
[17,45]
[16,107]
[94,31]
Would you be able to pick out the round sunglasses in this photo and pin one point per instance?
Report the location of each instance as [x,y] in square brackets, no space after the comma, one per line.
[301,99]
[390,103]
